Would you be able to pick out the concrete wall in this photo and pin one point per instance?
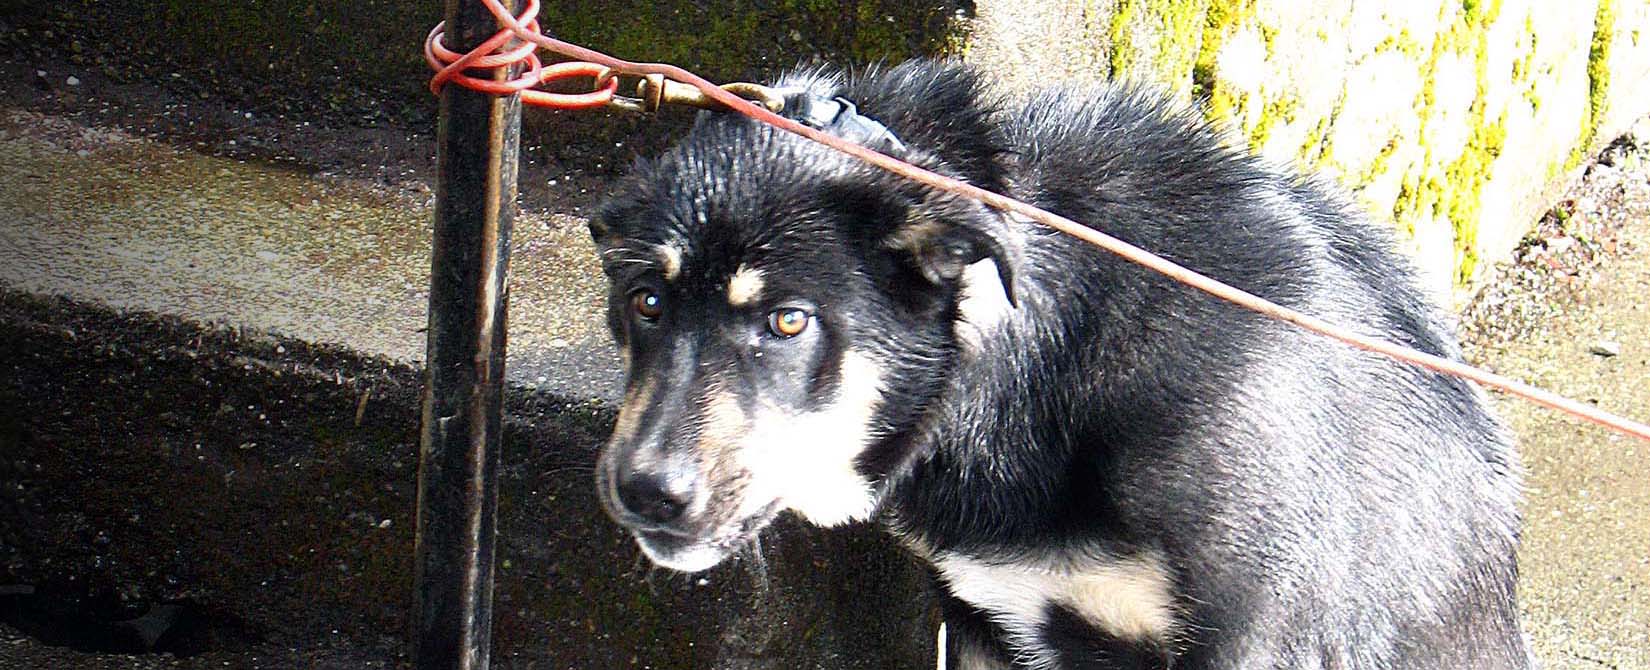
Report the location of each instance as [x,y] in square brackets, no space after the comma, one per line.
[1456,120]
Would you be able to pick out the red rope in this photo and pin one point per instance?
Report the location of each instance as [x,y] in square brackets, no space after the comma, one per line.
[450,66]
[526,28]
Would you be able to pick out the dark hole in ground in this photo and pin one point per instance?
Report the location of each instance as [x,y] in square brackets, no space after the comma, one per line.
[103,623]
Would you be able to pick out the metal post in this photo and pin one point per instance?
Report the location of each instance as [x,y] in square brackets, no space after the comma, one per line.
[478,137]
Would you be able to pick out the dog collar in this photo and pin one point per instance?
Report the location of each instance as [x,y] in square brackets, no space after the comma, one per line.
[840,117]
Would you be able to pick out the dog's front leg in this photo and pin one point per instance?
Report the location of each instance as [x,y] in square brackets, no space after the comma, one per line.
[972,642]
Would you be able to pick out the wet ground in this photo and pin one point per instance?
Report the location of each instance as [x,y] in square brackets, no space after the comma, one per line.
[237,499]
[231,485]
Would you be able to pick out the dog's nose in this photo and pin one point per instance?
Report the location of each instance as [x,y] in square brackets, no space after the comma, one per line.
[647,496]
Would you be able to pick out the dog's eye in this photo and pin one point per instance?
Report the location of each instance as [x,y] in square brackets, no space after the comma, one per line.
[647,304]
[788,322]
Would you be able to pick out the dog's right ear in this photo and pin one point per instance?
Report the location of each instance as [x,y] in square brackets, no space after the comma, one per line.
[607,226]
[615,220]
[602,234]
[608,230]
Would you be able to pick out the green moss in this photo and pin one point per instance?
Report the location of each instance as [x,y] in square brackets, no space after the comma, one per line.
[1463,202]
[1521,65]
[1455,190]
[725,39]
[1415,195]
[1523,68]
[1181,38]
[1315,150]
[1119,36]
[1598,81]
[1408,45]
[1222,19]
[1282,109]
[1177,24]
[1403,42]
[1465,177]
[1377,165]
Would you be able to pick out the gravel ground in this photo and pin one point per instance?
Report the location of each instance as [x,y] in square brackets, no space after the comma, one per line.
[1571,314]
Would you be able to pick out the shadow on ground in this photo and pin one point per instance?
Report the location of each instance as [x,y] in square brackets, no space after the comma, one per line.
[244,500]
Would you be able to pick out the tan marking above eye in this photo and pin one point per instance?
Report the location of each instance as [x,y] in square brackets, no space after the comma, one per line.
[788,322]
[744,286]
[670,260]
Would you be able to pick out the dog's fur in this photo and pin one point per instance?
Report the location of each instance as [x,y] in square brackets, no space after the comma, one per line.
[1103,468]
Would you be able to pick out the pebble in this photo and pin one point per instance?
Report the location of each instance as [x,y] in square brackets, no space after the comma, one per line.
[72,81]
[1605,349]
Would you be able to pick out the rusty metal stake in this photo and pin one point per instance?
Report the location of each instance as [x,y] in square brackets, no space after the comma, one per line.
[479,139]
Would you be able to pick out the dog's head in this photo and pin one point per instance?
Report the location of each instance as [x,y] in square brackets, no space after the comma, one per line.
[785,314]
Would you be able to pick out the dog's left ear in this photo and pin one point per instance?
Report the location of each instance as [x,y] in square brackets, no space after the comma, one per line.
[942,241]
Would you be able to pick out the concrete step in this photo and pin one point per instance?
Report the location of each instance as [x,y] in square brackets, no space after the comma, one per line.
[209,400]
[100,215]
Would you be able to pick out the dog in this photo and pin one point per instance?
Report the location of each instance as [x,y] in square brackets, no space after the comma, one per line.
[1101,468]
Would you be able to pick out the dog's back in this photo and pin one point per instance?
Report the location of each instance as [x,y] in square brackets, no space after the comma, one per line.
[1310,504]
[1118,471]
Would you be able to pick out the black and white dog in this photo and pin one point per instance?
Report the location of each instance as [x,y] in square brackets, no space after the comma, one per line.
[1103,468]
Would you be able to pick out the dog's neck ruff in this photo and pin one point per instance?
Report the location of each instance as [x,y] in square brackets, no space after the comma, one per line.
[840,117]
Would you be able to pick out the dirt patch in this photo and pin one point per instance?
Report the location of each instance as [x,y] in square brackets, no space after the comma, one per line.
[1562,256]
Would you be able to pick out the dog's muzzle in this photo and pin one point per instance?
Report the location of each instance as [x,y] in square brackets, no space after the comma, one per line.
[666,523]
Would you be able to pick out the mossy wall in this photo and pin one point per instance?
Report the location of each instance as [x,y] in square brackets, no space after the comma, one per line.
[1456,120]
[360,61]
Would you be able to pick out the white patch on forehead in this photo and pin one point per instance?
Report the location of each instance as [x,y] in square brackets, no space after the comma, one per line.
[1130,597]
[806,461]
[670,260]
[984,305]
[745,286]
